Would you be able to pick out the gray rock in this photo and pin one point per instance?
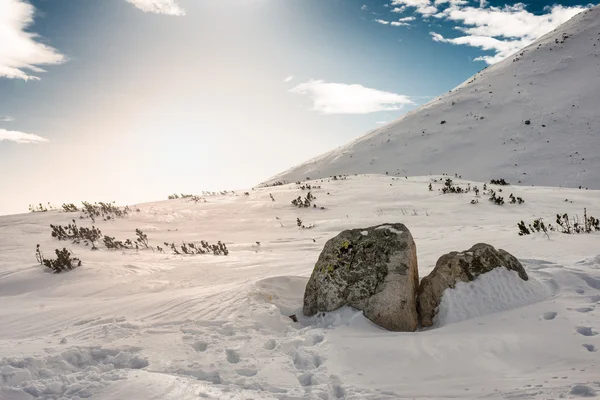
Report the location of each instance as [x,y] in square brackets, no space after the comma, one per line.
[373,270]
[457,267]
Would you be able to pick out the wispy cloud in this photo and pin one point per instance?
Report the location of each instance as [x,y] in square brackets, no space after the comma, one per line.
[20,137]
[364,7]
[168,7]
[504,30]
[6,118]
[19,50]
[289,78]
[340,98]
[382,21]
[423,7]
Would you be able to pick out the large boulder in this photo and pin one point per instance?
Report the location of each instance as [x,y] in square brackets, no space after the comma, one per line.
[373,270]
[457,267]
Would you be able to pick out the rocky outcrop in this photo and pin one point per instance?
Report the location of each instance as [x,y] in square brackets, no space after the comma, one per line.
[373,270]
[457,267]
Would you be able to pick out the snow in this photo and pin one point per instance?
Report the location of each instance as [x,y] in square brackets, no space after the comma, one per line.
[552,83]
[144,325]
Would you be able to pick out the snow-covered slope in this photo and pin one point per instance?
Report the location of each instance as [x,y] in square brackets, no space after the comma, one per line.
[554,84]
[141,325]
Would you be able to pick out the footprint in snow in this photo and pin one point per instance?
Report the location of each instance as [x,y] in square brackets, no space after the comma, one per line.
[246,372]
[270,344]
[314,340]
[550,315]
[589,347]
[232,356]
[584,309]
[200,346]
[595,298]
[583,391]
[306,379]
[586,331]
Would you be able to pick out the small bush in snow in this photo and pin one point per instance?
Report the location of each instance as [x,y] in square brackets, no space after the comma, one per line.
[41,208]
[515,200]
[564,224]
[499,200]
[69,207]
[76,234]
[63,261]
[306,202]
[301,224]
[450,188]
[500,182]
[204,248]
[106,211]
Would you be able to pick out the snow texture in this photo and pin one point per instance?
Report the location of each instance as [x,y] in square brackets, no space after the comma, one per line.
[144,325]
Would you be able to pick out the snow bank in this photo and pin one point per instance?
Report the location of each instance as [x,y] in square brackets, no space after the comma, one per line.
[497,290]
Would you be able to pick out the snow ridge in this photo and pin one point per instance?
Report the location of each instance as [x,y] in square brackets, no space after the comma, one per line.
[531,118]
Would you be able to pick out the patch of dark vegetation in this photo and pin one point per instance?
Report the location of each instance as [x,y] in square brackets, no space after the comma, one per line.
[63,261]
[564,224]
[204,248]
[500,182]
[306,202]
[69,207]
[106,211]
[77,234]
[41,208]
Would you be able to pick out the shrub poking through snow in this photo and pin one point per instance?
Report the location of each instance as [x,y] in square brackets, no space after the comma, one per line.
[142,238]
[499,200]
[564,224]
[515,200]
[306,202]
[106,211]
[41,208]
[63,262]
[450,188]
[301,224]
[112,243]
[537,226]
[69,207]
[500,182]
[204,248]
[76,234]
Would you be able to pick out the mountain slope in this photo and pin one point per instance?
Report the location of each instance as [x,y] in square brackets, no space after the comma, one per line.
[533,117]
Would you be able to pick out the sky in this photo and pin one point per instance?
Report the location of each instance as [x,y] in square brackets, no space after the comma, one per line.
[131,100]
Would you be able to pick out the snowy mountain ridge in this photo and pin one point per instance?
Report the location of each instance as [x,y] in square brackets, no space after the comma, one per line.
[532,118]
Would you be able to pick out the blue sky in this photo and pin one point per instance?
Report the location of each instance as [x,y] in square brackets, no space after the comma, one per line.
[130,100]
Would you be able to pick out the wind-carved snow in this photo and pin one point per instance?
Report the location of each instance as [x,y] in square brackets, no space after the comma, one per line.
[506,121]
[492,292]
[147,325]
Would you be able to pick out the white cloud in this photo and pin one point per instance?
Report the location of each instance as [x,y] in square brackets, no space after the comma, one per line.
[406,19]
[19,50]
[381,21]
[20,137]
[168,7]
[340,98]
[289,78]
[399,9]
[502,30]
[396,23]
[364,7]
[6,118]
[423,7]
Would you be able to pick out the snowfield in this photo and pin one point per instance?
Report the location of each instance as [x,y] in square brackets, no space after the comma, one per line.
[511,120]
[144,325]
